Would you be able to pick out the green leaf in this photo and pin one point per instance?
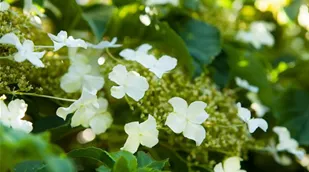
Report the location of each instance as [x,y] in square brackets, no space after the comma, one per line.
[97,17]
[29,166]
[292,111]
[122,165]
[103,168]
[60,165]
[158,165]
[202,40]
[70,16]
[143,159]
[93,153]
[129,158]
[126,26]
[292,10]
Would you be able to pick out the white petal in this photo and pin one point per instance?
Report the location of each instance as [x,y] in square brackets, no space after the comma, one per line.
[10,38]
[58,46]
[132,128]
[148,61]
[149,127]
[100,123]
[195,132]
[71,42]
[131,144]
[149,140]
[164,65]
[4,111]
[103,103]
[34,58]
[180,105]
[176,122]
[70,82]
[22,125]
[17,108]
[118,92]
[4,6]
[219,168]
[282,132]
[136,86]
[128,54]
[119,74]
[19,57]
[300,154]
[106,44]
[243,113]
[196,112]
[232,164]
[253,124]
[93,83]
[144,48]
[83,115]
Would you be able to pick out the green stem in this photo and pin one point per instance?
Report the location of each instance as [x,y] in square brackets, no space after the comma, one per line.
[113,57]
[39,95]
[6,57]
[43,46]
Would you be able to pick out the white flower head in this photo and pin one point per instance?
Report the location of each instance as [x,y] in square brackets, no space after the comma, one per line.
[286,143]
[162,2]
[84,109]
[188,119]
[145,133]
[25,50]
[80,77]
[130,83]
[4,6]
[157,66]
[258,34]
[12,115]
[62,40]
[253,123]
[244,84]
[231,164]
[105,44]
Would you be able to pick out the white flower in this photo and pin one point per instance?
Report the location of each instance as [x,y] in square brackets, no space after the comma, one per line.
[62,40]
[130,83]
[25,50]
[253,123]
[157,66]
[140,53]
[258,34]
[105,44]
[85,108]
[231,164]
[12,115]
[162,2]
[144,133]
[286,143]
[4,6]
[188,119]
[29,8]
[256,105]
[102,120]
[80,76]
[244,84]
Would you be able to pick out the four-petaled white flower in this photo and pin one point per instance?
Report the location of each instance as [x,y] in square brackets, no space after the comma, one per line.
[25,50]
[130,83]
[145,133]
[12,115]
[105,44]
[253,123]
[157,66]
[231,164]
[4,6]
[244,84]
[62,40]
[80,76]
[188,119]
[286,143]
[89,111]
[162,2]
[258,34]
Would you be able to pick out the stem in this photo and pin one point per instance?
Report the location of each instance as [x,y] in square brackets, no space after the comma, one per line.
[43,46]
[39,95]
[129,102]
[113,57]
[6,57]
